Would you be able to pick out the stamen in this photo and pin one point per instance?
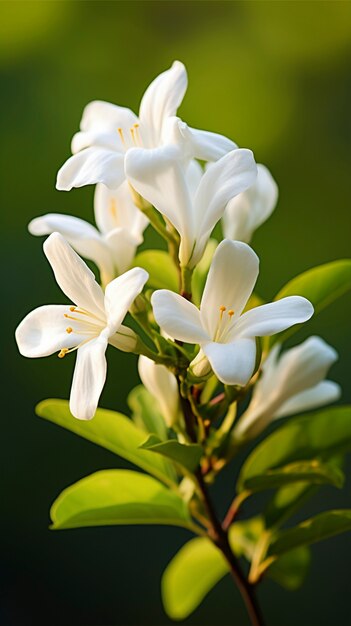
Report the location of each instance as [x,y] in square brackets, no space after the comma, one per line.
[76,309]
[221,311]
[76,319]
[230,313]
[132,132]
[137,134]
[120,132]
[69,330]
[113,208]
[62,353]
[65,351]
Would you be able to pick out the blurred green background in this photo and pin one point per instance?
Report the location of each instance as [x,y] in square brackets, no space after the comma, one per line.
[275,77]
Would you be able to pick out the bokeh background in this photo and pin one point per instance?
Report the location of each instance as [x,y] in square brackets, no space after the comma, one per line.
[274,76]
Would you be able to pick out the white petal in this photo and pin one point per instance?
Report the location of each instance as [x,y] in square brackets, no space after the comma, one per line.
[233,363]
[125,339]
[230,281]
[223,180]
[120,293]
[122,246]
[88,378]
[178,317]
[324,393]
[100,115]
[159,178]
[250,209]
[159,381]
[114,208]
[74,277]
[43,332]
[81,235]
[110,140]
[162,99]
[268,319]
[205,145]
[90,166]
[193,174]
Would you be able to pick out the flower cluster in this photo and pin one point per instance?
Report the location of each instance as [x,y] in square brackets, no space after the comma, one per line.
[212,364]
[146,169]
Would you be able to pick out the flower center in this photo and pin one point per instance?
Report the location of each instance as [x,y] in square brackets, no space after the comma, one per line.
[224,323]
[132,138]
[89,329]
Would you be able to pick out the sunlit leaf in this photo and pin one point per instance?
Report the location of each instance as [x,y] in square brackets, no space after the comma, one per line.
[315,529]
[186,455]
[114,497]
[162,271]
[113,431]
[145,413]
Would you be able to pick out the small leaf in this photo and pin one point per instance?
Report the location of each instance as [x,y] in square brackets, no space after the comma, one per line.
[315,529]
[113,431]
[311,471]
[186,455]
[191,574]
[321,285]
[114,497]
[162,271]
[291,568]
[316,435]
[145,412]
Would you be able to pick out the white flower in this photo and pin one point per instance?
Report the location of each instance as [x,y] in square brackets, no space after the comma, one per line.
[248,210]
[108,131]
[94,321]
[113,246]
[290,383]
[162,385]
[160,178]
[226,336]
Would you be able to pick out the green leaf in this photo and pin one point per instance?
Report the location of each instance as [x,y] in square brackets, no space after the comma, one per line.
[315,529]
[316,435]
[113,431]
[145,413]
[199,566]
[321,285]
[291,568]
[311,471]
[191,574]
[186,455]
[163,273]
[114,497]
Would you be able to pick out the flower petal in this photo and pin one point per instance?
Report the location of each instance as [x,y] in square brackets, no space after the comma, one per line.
[90,166]
[81,235]
[162,99]
[158,177]
[230,281]
[205,145]
[73,276]
[248,210]
[120,293]
[233,363]
[268,319]
[43,332]
[104,116]
[124,339]
[159,381]
[114,208]
[323,393]
[178,317]
[88,378]
[223,180]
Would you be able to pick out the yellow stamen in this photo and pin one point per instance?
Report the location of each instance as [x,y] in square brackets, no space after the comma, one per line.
[62,353]
[69,330]
[120,132]
[230,313]
[113,208]
[137,134]
[221,311]
[132,132]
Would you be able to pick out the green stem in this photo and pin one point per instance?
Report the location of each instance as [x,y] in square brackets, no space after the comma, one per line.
[186,275]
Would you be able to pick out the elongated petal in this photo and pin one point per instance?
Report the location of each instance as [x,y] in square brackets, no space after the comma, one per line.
[193,174]
[232,174]
[158,176]
[43,332]
[122,245]
[162,99]
[162,385]
[124,339]
[81,235]
[90,166]
[233,363]
[114,208]
[205,145]
[73,276]
[178,317]
[88,378]
[323,393]
[248,210]
[120,293]
[230,281]
[86,139]
[101,115]
[272,318]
